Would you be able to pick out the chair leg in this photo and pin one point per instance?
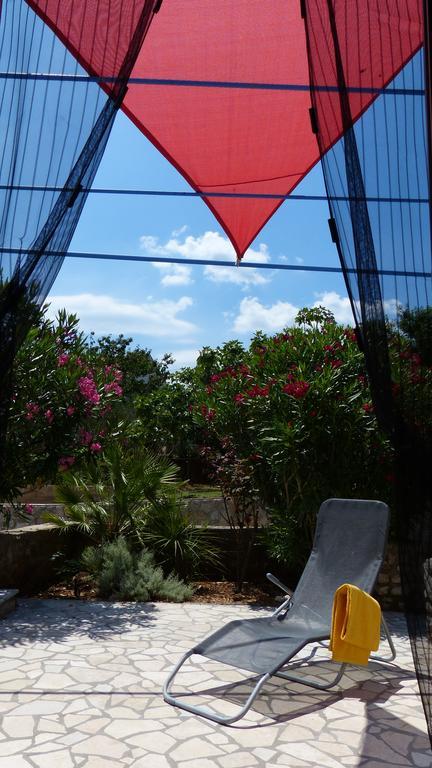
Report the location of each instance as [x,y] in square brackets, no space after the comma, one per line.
[377,657]
[204,711]
[310,682]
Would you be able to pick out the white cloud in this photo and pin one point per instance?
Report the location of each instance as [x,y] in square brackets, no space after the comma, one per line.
[212,246]
[180,230]
[256,316]
[339,305]
[253,316]
[176,274]
[184,357]
[392,307]
[106,314]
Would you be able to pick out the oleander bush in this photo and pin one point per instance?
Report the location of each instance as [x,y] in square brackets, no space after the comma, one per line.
[295,417]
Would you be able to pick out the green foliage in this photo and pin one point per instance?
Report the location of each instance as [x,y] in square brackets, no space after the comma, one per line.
[63,408]
[122,574]
[178,545]
[411,363]
[416,324]
[165,415]
[142,373]
[114,496]
[165,420]
[295,415]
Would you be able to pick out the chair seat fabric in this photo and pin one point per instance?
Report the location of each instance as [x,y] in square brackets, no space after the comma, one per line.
[261,645]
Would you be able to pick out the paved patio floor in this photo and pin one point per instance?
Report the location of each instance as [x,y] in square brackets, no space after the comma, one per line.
[80,685]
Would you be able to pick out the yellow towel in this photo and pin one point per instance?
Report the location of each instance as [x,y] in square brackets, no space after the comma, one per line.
[356,622]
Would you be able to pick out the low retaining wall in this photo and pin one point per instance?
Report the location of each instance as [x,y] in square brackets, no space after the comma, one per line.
[26,561]
[200,511]
[26,556]
[36,518]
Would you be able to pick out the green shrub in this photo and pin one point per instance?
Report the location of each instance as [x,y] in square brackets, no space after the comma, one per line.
[178,544]
[293,417]
[121,574]
[114,496]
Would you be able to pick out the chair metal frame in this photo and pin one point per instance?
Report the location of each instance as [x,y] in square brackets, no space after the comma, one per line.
[283,609]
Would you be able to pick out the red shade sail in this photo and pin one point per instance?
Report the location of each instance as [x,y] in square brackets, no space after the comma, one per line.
[235,136]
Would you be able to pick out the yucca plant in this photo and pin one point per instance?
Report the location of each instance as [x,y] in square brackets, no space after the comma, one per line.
[114,496]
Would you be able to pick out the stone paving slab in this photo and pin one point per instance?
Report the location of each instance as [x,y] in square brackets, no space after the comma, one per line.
[80,687]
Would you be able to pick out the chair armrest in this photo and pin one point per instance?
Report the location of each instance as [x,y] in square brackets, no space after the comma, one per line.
[279,584]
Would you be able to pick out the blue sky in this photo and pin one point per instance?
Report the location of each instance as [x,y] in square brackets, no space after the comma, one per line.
[180,309]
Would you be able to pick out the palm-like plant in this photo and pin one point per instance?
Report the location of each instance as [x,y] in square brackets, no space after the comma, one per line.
[114,495]
[178,544]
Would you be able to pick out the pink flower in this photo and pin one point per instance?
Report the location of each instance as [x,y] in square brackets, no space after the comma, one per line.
[62,359]
[368,407]
[113,387]
[65,463]
[49,416]
[350,334]
[79,362]
[336,363]
[254,457]
[28,509]
[118,375]
[258,391]
[32,411]
[88,389]
[85,437]
[95,447]
[239,398]
[297,389]
[70,410]
[208,413]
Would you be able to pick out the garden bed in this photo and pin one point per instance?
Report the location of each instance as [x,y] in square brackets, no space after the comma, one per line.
[222,592]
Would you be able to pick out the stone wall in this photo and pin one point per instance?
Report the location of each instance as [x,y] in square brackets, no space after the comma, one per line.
[388,587]
[26,556]
[26,561]
[36,518]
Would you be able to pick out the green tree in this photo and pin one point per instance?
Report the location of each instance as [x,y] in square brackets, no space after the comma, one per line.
[63,409]
[297,412]
[142,373]
[416,324]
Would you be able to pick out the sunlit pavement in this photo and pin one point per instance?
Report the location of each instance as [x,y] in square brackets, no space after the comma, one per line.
[80,685]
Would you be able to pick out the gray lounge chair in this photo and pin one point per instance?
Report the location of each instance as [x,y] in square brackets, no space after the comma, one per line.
[348,547]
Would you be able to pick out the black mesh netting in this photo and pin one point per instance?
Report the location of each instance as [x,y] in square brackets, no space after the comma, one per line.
[54,129]
[377,185]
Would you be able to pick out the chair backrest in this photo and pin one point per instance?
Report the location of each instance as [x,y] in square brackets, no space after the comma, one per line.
[348,548]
